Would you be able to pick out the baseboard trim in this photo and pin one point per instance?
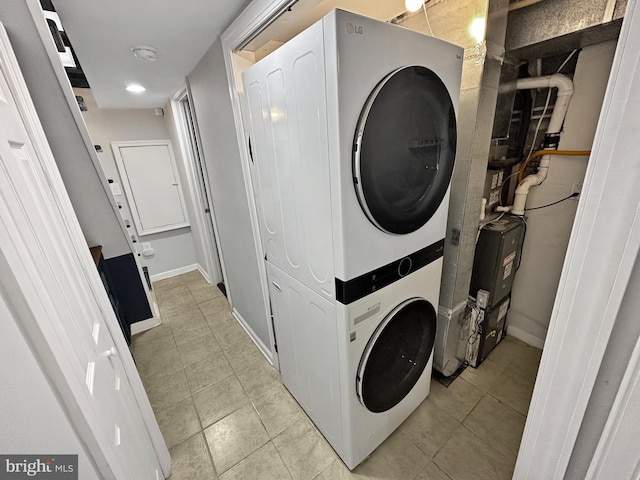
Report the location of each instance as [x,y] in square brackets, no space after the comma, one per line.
[203,273]
[525,337]
[174,272]
[261,346]
[144,325]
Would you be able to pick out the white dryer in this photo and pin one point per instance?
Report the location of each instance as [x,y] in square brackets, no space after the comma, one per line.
[358,370]
[352,142]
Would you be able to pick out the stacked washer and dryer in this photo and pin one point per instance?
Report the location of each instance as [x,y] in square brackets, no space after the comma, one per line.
[352,142]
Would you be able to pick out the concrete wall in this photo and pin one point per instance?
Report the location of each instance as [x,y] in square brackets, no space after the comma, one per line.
[212,103]
[93,207]
[33,420]
[562,25]
[548,229]
[174,249]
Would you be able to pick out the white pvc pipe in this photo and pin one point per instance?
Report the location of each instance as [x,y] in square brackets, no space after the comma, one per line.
[565,91]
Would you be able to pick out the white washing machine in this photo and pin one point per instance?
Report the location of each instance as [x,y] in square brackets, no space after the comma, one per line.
[352,138]
[352,141]
[358,370]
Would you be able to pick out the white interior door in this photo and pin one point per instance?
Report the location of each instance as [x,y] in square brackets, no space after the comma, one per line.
[48,282]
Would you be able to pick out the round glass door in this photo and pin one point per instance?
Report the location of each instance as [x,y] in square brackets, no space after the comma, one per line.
[405,147]
[396,355]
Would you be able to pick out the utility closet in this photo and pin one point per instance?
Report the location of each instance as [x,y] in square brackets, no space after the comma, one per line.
[535,81]
[535,96]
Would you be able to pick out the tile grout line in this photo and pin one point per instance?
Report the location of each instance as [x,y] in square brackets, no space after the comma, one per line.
[234,374]
[246,456]
[204,438]
[280,454]
[506,404]
[211,330]
[441,468]
[191,396]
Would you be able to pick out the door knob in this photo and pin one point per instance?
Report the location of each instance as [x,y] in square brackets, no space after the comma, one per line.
[112,352]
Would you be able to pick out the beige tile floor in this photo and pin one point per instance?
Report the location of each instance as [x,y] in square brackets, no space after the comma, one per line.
[225,414]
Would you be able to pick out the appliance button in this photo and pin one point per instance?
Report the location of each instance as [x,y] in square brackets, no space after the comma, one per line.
[404,267]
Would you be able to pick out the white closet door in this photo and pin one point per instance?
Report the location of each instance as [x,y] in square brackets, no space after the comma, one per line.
[151,184]
[47,274]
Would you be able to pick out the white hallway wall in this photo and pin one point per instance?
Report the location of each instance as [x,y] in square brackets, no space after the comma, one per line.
[173,249]
[212,103]
[548,229]
[90,201]
[34,421]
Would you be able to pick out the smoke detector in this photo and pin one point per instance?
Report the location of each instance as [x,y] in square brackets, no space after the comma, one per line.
[146,53]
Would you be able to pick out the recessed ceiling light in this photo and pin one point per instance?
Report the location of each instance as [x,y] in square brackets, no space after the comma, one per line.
[135,88]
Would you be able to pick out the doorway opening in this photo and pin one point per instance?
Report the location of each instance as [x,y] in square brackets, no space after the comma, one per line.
[196,169]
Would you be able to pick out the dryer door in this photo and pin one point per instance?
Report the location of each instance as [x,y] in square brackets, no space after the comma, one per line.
[396,355]
[404,150]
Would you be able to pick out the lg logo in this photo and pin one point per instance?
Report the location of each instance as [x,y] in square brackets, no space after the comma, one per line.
[351,28]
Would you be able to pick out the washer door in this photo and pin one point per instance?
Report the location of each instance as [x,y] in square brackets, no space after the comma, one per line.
[404,150]
[396,355]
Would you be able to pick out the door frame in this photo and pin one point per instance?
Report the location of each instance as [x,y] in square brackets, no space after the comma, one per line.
[52,353]
[550,432]
[613,458]
[214,260]
[602,251]
[257,15]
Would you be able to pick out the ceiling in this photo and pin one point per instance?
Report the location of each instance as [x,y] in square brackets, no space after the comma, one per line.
[103,39]
[103,34]
[306,12]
